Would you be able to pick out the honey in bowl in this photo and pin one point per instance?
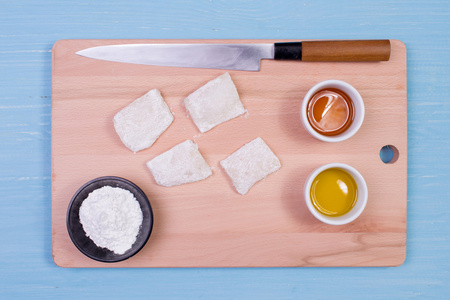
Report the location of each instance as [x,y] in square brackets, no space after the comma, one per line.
[334,192]
[330,111]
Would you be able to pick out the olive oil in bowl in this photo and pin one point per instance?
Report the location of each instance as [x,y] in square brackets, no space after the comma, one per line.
[334,192]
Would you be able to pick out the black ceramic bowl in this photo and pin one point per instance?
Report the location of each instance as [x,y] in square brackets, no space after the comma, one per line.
[84,243]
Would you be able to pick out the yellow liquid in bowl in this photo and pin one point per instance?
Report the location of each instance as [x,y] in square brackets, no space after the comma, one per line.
[334,192]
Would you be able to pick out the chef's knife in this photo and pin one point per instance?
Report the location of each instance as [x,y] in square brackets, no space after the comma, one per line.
[241,56]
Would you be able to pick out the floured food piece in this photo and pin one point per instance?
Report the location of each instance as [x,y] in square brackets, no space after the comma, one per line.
[141,122]
[181,164]
[214,103]
[251,163]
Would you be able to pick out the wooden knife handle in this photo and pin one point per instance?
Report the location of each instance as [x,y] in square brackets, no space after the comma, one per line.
[365,50]
[350,50]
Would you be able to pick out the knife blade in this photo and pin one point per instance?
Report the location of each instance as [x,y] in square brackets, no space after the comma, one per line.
[246,57]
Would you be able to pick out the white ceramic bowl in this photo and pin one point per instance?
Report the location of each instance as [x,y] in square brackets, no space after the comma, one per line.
[357,102]
[360,202]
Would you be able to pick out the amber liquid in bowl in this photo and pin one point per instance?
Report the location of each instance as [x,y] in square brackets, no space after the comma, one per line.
[330,111]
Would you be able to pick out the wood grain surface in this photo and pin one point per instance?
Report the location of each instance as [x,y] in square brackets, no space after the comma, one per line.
[208,224]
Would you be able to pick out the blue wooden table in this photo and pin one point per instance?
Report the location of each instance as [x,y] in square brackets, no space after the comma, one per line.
[28,30]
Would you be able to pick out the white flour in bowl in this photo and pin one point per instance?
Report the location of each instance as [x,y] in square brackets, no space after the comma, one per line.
[111,218]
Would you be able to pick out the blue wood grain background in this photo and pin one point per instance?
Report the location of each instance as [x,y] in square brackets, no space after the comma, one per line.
[28,30]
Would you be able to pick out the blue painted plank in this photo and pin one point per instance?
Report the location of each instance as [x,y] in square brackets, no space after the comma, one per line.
[28,30]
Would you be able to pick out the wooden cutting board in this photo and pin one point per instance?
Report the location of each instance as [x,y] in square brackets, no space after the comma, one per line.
[207,223]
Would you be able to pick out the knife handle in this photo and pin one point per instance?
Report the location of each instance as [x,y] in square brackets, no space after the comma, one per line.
[328,51]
